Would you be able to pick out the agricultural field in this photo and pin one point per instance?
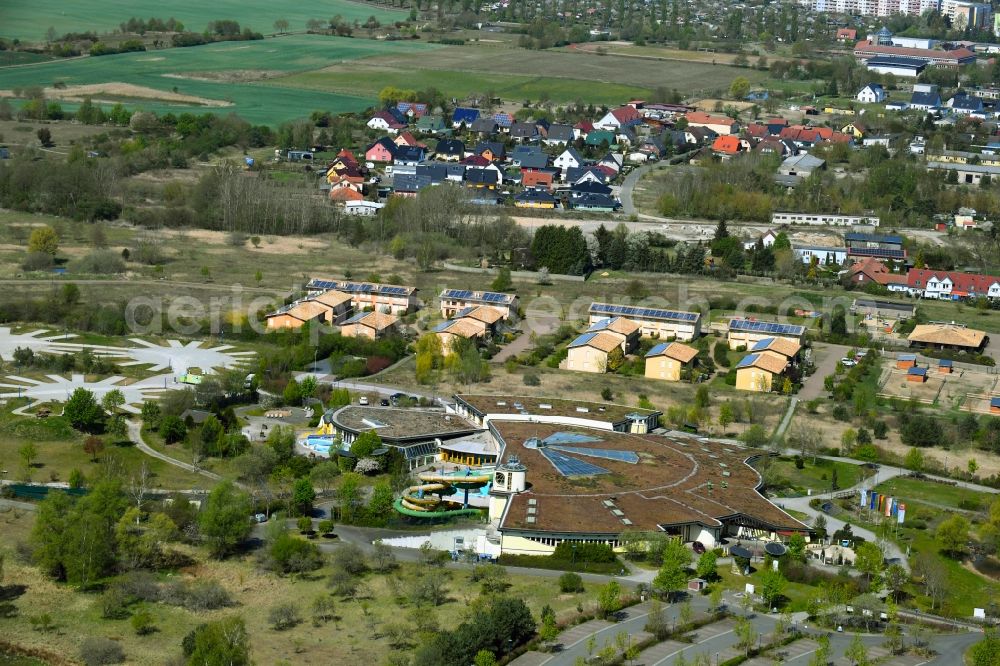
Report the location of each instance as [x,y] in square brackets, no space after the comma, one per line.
[30,20]
[561,75]
[222,77]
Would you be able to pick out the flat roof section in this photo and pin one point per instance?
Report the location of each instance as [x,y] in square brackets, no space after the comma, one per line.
[397,426]
[484,405]
[649,480]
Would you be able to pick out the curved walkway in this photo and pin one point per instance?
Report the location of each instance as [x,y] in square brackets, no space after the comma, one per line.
[135,434]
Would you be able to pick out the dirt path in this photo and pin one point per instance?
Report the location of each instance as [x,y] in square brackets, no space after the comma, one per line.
[826,357]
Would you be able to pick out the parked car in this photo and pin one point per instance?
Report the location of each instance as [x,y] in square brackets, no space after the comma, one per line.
[848,362]
[259,518]
[698,547]
[363,400]
[383,402]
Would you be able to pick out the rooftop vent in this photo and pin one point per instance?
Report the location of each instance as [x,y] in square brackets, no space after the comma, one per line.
[626,521]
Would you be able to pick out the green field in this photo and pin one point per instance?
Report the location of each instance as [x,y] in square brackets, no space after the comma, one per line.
[30,20]
[223,72]
[516,74]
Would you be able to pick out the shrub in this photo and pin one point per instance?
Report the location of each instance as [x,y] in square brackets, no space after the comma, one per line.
[101,262]
[142,623]
[607,394]
[198,596]
[37,261]
[531,379]
[113,604]
[99,651]
[584,552]
[284,616]
[570,582]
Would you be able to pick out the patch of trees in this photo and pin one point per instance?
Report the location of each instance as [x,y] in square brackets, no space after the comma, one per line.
[142,26]
[501,625]
[127,46]
[216,31]
[561,250]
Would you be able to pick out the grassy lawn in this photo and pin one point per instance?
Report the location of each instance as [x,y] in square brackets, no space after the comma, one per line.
[221,466]
[29,20]
[940,494]
[60,451]
[816,476]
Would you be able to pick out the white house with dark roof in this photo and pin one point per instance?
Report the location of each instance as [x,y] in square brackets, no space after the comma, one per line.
[873,93]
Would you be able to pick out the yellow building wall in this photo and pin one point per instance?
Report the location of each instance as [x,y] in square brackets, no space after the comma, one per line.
[753,379]
[283,321]
[586,359]
[663,368]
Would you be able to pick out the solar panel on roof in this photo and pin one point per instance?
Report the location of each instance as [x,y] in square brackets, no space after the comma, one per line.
[571,466]
[607,454]
[648,313]
[582,340]
[765,327]
[747,361]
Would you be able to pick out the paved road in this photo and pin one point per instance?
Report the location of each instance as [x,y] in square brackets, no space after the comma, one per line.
[628,187]
[150,283]
[135,434]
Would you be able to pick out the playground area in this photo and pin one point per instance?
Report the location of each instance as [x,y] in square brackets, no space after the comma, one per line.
[963,387]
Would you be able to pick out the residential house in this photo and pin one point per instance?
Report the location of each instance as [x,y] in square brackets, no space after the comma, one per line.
[408,185]
[464,116]
[871,269]
[430,124]
[718,124]
[337,304]
[598,138]
[482,179]
[504,121]
[559,135]
[363,208]
[727,146]
[626,136]
[951,285]
[954,337]
[388,298]
[788,348]
[623,116]
[529,157]
[488,316]
[582,129]
[450,150]
[591,172]
[494,151]
[537,179]
[534,199]
[964,104]
[568,159]
[296,315]
[448,332]
[744,333]
[526,132]
[371,325]
[483,125]
[760,371]
[824,255]
[409,156]
[766,239]
[627,329]
[588,187]
[873,93]
[343,195]
[654,322]
[596,203]
[415,110]
[589,352]
[454,301]
[855,130]
[386,121]
[669,361]
[407,139]
[383,150]
[875,245]
[847,35]
[614,161]
[925,97]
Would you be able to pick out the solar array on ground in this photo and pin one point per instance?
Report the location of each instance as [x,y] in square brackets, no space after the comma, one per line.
[765,327]
[642,313]
[485,296]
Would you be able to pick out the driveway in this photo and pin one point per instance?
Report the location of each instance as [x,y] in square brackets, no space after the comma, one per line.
[628,187]
[825,358]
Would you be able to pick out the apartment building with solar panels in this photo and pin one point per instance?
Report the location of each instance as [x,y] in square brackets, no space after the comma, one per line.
[454,301]
[588,485]
[653,322]
[385,298]
[745,333]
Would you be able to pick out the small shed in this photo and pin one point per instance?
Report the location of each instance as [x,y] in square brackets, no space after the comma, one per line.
[915,374]
[697,584]
[945,366]
[994,405]
[906,361]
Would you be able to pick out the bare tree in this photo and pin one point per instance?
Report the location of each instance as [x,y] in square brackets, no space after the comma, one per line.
[138,487]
